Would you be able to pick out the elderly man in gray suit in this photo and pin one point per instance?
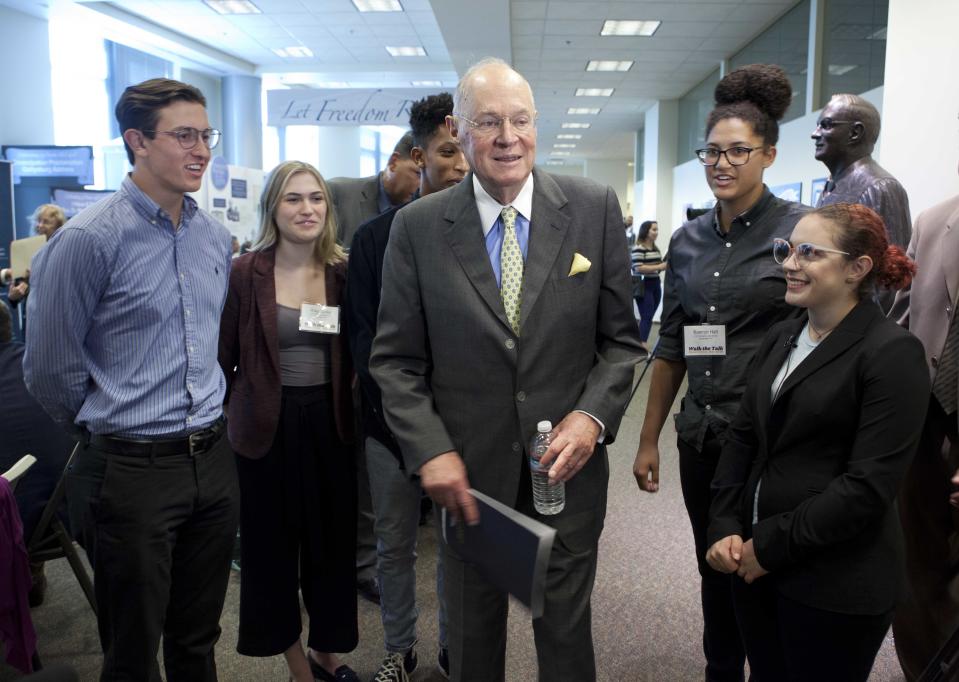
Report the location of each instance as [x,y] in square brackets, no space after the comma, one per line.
[506,301]
[929,496]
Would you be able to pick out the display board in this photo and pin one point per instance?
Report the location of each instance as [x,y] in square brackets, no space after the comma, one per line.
[7,220]
[231,194]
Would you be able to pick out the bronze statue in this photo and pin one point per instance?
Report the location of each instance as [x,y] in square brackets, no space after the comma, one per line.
[845,136]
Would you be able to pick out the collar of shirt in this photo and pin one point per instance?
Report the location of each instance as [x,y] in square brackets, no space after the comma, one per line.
[149,209]
[748,216]
[490,209]
[382,198]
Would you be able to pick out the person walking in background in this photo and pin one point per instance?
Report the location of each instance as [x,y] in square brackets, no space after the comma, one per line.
[122,352]
[722,286]
[646,262]
[284,353]
[803,498]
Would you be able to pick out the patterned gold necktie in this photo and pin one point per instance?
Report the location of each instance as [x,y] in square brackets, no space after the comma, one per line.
[511,269]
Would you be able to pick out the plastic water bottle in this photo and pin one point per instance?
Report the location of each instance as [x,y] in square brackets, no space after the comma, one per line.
[547,499]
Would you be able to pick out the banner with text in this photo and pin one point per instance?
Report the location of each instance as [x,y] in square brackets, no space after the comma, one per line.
[308,106]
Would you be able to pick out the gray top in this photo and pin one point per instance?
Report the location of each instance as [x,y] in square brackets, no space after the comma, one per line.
[304,356]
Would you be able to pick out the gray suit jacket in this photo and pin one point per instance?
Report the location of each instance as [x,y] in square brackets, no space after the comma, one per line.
[925,307]
[453,374]
[355,200]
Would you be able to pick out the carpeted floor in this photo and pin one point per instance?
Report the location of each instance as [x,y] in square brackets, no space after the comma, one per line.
[646,617]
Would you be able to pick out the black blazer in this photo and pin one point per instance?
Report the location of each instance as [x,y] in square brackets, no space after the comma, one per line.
[364,283]
[831,453]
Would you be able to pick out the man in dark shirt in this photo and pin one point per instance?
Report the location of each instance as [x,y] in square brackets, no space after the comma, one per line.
[845,136]
[356,201]
[395,496]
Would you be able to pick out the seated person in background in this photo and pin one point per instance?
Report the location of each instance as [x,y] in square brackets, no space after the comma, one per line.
[802,507]
[48,218]
[27,429]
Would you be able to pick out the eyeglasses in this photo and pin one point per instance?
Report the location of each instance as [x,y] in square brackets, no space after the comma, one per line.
[188,137]
[829,123]
[805,252]
[490,125]
[735,156]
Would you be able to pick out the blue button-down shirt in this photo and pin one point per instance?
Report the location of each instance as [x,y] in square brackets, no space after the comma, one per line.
[124,318]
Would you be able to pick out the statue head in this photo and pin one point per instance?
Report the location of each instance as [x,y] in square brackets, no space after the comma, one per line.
[846,131]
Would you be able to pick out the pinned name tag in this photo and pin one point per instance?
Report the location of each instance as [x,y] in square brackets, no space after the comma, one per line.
[704,339]
[319,319]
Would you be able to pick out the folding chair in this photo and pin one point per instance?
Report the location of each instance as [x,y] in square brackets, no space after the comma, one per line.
[16,472]
[50,539]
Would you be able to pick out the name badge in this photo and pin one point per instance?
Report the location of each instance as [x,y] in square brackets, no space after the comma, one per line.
[319,319]
[704,339]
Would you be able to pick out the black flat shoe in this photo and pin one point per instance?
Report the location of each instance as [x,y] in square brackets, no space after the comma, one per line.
[342,674]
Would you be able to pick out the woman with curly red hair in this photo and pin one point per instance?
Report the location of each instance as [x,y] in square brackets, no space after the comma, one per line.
[803,495]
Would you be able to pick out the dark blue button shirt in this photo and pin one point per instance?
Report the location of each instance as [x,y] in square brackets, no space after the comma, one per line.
[125,314]
[728,279]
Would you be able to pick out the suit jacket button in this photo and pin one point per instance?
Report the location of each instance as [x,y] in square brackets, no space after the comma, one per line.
[515,447]
[521,396]
[510,344]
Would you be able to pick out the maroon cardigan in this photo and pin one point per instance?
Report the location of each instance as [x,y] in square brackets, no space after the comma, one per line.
[250,355]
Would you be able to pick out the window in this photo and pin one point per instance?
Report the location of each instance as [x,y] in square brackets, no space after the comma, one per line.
[694,107]
[785,43]
[853,47]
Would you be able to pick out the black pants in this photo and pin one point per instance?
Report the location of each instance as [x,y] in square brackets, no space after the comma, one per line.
[158,532]
[790,642]
[298,524]
[722,644]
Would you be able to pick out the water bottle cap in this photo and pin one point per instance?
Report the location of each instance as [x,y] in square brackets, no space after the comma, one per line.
[544,426]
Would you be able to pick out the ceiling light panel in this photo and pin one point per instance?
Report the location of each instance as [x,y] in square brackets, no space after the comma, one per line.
[378,5]
[232,6]
[608,65]
[406,51]
[612,27]
[569,136]
[576,125]
[296,52]
[426,84]
[564,146]
[583,111]
[559,154]
[594,92]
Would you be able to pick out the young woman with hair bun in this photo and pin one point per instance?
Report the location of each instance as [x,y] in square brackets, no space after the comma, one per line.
[722,294]
[802,509]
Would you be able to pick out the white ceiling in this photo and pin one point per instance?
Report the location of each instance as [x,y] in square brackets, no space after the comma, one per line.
[548,41]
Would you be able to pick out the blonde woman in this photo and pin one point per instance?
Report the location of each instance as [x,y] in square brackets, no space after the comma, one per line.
[287,367]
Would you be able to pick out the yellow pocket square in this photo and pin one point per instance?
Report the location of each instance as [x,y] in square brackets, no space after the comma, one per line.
[580,264]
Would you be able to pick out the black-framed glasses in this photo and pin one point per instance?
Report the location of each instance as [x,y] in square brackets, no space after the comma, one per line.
[188,137]
[735,156]
[829,123]
[805,252]
[490,125]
